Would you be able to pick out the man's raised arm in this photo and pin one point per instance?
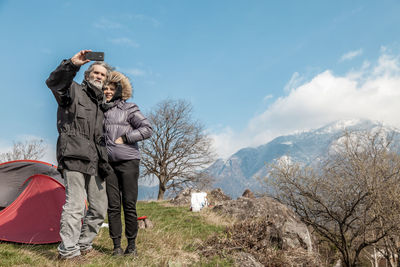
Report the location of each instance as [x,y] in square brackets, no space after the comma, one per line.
[61,78]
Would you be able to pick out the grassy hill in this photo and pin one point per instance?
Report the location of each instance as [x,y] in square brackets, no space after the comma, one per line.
[173,241]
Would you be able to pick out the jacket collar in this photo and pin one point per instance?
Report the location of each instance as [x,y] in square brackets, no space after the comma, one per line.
[120,103]
[93,91]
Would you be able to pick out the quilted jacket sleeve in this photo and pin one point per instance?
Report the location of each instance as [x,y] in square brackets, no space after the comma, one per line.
[140,124]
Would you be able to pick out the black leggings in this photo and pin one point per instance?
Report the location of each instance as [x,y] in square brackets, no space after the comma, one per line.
[123,182]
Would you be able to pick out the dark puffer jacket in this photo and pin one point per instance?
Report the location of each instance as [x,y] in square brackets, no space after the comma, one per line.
[125,120]
[80,145]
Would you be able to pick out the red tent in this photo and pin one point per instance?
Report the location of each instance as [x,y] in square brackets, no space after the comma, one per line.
[32,195]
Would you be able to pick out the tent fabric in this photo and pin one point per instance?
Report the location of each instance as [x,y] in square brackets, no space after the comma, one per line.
[14,173]
[31,198]
[34,217]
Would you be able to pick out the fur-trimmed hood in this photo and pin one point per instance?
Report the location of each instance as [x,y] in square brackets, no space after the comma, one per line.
[117,77]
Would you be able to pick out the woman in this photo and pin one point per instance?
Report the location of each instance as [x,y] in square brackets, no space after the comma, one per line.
[124,126]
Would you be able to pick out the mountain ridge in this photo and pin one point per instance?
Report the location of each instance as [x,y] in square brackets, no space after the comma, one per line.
[243,168]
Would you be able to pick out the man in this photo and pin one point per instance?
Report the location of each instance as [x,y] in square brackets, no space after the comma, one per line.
[81,152]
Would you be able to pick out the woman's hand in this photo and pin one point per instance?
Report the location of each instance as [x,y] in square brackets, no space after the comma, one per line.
[119,141]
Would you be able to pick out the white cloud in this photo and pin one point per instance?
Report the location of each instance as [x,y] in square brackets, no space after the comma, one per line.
[350,55]
[372,92]
[124,41]
[226,142]
[145,18]
[294,81]
[267,97]
[107,24]
[134,72]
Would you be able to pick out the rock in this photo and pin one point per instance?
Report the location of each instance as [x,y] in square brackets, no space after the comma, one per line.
[243,259]
[286,228]
[247,193]
[141,224]
[145,223]
[183,198]
[216,197]
[148,223]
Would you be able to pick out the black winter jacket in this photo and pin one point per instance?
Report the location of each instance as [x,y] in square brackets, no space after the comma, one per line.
[80,145]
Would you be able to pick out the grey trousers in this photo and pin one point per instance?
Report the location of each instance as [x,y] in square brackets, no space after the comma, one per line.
[78,230]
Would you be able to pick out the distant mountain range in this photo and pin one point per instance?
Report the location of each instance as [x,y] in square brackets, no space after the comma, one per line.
[241,170]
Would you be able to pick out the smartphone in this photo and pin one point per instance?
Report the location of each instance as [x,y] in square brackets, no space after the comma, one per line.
[95,56]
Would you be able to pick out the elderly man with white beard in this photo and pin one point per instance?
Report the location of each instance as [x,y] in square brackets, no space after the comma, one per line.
[81,152]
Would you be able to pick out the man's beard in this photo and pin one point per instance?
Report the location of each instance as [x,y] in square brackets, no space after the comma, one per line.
[96,83]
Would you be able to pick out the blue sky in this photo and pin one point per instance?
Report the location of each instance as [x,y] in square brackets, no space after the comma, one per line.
[252,70]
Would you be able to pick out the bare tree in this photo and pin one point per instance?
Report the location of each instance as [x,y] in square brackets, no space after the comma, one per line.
[178,150]
[353,198]
[31,149]
[387,249]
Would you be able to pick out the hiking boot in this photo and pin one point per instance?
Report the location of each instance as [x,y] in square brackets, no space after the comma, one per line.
[130,251]
[118,252]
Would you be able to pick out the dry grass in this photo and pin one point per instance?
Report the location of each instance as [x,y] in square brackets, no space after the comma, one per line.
[173,241]
[259,239]
[179,238]
[215,219]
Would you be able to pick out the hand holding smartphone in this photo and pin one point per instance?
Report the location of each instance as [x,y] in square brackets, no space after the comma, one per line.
[95,56]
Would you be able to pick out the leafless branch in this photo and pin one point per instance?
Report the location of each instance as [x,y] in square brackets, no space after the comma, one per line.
[32,149]
[352,199]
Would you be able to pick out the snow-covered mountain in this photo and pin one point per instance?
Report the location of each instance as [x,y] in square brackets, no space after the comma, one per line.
[243,168]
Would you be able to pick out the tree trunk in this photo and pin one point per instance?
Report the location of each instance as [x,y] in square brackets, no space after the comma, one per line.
[161,191]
